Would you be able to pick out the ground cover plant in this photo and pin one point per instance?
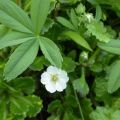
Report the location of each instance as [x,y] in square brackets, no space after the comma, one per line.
[59,60]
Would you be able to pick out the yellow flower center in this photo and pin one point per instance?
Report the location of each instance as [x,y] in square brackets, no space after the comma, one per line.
[54,77]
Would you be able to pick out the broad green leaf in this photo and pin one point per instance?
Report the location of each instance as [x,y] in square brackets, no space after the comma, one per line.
[51,51]
[14,17]
[81,86]
[101,87]
[19,106]
[36,106]
[103,113]
[68,64]
[78,39]
[97,29]
[24,84]
[113,46]
[65,23]
[39,12]
[21,59]
[14,38]
[114,77]
[3,110]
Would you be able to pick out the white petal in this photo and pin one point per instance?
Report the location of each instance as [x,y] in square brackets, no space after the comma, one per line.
[50,87]
[45,78]
[63,75]
[52,69]
[60,86]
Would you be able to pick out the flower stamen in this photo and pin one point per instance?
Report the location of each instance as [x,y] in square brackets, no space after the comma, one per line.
[54,77]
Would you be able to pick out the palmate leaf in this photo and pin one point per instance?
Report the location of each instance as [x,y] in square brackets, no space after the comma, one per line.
[21,59]
[39,12]
[14,17]
[51,51]
[14,38]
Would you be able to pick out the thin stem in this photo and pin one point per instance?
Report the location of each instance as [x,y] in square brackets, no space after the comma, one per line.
[80,109]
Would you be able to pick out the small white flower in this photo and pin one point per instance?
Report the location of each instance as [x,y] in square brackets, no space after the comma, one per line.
[89,16]
[54,79]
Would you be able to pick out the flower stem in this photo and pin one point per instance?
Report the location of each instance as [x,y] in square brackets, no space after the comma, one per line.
[78,102]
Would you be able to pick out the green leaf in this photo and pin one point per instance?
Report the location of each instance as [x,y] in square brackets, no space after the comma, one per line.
[51,51]
[97,29]
[3,30]
[3,110]
[87,107]
[24,84]
[54,105]
[78,39]
[36,106]
[98,15]
[21,59]
[14,17]
[113,46]
[81,85]
[74,18]
[48,24]
[39,12]
[114,77]
[103,113]
[68,64]
[37,65]
[65,23]
[68,115]
[19,106]
[53,117]
[101,87]
[14,38]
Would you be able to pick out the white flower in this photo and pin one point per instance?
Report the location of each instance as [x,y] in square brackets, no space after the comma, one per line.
[89,16]
[54,79]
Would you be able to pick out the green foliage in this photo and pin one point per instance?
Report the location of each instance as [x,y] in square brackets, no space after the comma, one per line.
[113,46]
[14,105]
[80,37]
[97,29]
[113,77]
[51,51]
[105,113]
